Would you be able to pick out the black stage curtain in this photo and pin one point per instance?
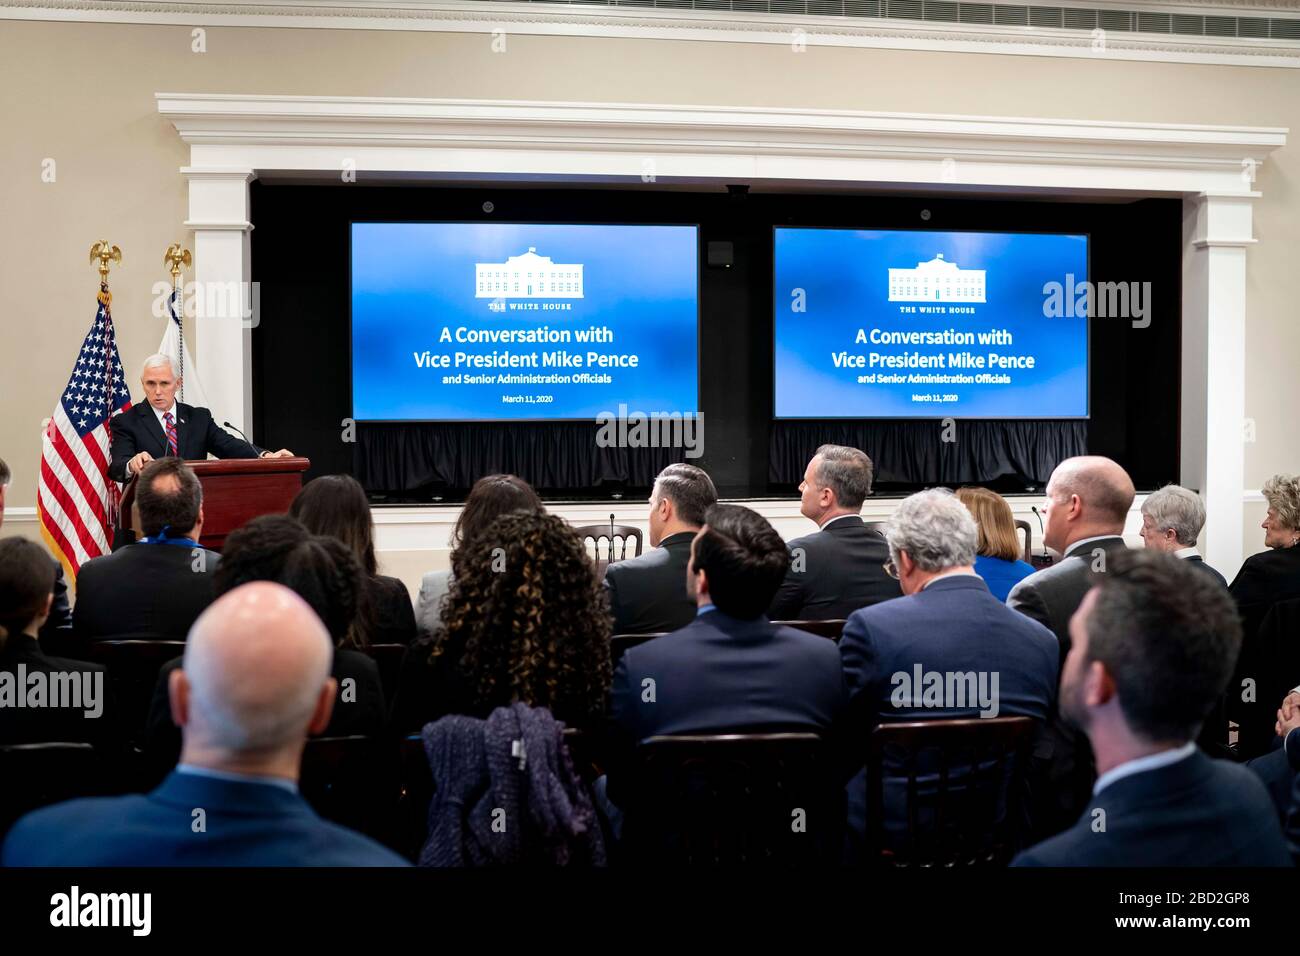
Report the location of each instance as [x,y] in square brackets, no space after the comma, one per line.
[913,452]
[402,457]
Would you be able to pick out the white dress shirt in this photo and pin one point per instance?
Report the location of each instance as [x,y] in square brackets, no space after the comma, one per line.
[1142,764]
[831,521]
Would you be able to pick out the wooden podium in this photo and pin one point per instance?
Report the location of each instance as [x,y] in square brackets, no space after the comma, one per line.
[234,491]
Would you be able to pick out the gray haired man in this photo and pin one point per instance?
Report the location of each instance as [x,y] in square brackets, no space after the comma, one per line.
[1172,519]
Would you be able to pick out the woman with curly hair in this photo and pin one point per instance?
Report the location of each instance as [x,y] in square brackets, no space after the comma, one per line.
[1274,575]
[525,621]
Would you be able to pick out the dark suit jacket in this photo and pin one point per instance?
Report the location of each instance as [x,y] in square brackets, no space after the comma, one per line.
[151,591]
[1265,581]
[842,570]
[1196,812]
[393,613]
[58,626]
[1268,577]
[954,625]
[29,725]
[137,429]
[647,594]
[364,715]
[721,673]
[1198,562]
[246,824]
[1051,596]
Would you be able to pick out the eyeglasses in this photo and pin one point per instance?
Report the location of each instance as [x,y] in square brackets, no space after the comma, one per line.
[891,570]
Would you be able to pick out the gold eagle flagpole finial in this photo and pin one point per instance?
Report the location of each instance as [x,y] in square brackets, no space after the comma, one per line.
[175,258]
[105,253]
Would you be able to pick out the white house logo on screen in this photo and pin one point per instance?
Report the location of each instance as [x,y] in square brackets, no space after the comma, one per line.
[528,276]
[936,281]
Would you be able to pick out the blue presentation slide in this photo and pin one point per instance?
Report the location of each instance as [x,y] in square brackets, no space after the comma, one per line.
[509,321]
[913,324]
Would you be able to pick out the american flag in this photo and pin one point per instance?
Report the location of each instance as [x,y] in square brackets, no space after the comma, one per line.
[76,501]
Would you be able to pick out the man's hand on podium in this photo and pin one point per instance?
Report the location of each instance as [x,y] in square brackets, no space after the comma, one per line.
[137,463]
[282,453]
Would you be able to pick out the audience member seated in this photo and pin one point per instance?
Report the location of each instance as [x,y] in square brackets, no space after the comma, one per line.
[60,616]
[1153,644]
[838,568]
[1088,499]
[73,703]
[156,588]
[647,594]
[996,662]
[254,683]
[731,667]
[324,573]
[1274,575]
[1172,519]
[335,506]
[526,621]
[491,497]
[997,556]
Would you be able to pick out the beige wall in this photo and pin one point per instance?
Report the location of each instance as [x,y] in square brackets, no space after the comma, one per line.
[82,94]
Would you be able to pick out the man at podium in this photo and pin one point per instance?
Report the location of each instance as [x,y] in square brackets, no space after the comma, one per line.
[161,427]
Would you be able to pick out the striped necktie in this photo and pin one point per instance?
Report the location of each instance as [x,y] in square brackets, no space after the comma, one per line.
[171,433]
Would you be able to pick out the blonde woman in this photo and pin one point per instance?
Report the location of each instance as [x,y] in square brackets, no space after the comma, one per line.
[997,555]
[1274,575]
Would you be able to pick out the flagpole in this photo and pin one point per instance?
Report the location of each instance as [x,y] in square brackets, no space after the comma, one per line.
[175,257]
[107,253]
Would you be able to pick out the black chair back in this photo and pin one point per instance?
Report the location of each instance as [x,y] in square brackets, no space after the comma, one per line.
[1023,525]
[613,539]
[744,798]
[343,779]
[37,775]
[133,667]
[388,658]
[947,792]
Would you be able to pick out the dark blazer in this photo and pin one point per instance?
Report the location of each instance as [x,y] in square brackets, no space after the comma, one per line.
[29,725]
[647,594]
[246,824]
[1198,562]
[137,429]
[1051,596]
[394,615]
[954,625]
[363,715]
[1268,577]
[151,591]
[833,573]
[1265,581]
[1196,812]
[58,626]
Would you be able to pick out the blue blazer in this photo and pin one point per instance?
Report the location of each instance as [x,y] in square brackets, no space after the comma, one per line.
[720,672]
[247,824]
[1001,575]
[1196,812]
[953,625]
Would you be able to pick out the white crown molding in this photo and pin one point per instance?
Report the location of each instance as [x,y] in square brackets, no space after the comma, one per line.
[230,134]
[594,20]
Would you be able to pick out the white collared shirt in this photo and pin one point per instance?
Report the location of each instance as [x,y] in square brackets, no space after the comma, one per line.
[831,521]
[176,415]
[1155,761]
[1187,553]
[1073,548]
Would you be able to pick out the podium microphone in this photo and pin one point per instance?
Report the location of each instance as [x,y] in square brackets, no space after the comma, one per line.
[243,436]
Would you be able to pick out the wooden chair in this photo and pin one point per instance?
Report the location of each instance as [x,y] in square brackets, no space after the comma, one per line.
[1023,525]
[133,667]
[344,780]
[615,546]
[388,658]
[37,775]
[947,792]
[831,628]
[618,643]
[742,798]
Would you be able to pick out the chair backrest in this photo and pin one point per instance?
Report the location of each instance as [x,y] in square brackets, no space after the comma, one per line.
[831,628]
[618,643]
[341,778]
[37,775]
[947,792]
[133,667]
[615,547]
[388,658]
[734,798]
[1023,525]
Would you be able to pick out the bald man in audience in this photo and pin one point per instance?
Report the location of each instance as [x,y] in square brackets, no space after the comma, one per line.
[254,683]
[1088,500]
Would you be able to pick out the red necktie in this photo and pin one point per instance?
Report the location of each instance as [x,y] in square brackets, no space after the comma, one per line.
[171,433]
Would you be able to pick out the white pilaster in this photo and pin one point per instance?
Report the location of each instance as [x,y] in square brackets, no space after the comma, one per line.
[1216,232]
[219,216]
